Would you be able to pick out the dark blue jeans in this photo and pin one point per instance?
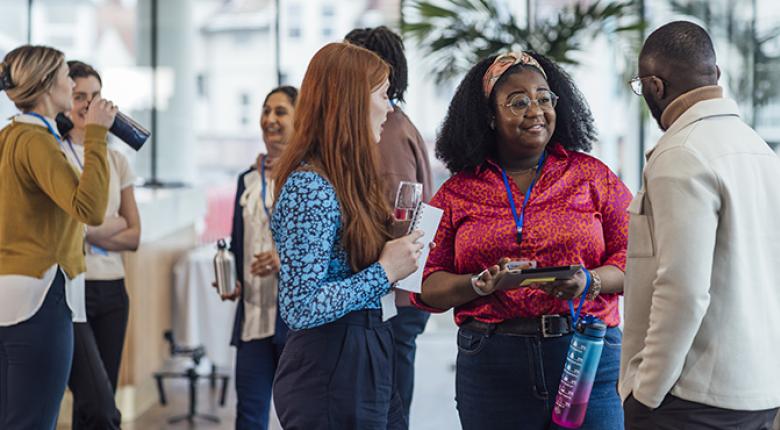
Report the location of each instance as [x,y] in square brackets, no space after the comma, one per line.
[35,359]
[407,325]
[510,382]
[256,363]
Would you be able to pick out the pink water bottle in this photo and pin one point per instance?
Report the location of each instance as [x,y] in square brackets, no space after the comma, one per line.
[579,372]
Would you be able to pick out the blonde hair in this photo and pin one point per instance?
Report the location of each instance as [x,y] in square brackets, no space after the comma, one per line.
[30,71]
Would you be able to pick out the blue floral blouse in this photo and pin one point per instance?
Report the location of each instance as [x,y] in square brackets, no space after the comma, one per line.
[316,282]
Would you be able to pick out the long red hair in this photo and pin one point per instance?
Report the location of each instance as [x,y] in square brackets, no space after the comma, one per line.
[333,135]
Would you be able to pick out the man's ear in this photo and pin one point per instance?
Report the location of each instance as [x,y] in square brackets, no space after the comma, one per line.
[658,87]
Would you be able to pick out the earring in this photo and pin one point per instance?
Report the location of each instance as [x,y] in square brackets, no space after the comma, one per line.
[492,124]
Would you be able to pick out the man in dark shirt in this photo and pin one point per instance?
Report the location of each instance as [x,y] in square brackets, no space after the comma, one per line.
[404,158]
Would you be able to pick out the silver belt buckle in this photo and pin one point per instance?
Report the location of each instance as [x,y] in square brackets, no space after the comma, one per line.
[546,326]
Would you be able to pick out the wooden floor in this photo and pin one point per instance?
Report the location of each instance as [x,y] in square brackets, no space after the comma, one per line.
[178,404]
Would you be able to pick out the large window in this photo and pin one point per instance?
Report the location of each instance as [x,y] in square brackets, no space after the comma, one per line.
[747,45]
[194,71]
[105,34]
[197,71]
[13,32]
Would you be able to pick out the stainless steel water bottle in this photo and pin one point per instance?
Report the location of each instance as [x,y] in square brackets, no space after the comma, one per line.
[225,269]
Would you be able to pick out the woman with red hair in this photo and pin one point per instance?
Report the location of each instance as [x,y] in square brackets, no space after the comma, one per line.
[330,225]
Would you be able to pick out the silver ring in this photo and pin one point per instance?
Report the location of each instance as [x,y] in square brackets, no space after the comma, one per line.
[559,294]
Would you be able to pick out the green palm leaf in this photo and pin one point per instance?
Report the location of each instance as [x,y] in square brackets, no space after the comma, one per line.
[460,29]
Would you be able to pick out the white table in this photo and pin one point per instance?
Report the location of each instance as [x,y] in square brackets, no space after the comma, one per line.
[199,316]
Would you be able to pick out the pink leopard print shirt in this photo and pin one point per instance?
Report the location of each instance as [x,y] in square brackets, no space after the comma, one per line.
[576,215]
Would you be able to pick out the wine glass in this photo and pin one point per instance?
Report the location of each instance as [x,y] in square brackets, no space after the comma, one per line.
[407,198]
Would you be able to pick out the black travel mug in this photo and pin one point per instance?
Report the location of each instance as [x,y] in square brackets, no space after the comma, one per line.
[124,127]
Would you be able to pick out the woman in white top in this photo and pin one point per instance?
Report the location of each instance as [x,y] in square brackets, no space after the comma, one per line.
[44,205]
[259,332]
[99,341]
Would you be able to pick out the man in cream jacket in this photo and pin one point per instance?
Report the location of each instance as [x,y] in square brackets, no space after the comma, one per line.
[701,347]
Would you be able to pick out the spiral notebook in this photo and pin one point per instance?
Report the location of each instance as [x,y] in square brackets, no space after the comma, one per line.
[426,218]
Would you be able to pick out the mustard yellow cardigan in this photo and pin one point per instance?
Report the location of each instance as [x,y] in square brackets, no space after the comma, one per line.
[44,204]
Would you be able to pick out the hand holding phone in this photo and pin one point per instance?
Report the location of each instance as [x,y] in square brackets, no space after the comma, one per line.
[566,289]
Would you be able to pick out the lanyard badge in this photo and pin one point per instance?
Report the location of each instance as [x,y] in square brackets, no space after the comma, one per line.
[519,219]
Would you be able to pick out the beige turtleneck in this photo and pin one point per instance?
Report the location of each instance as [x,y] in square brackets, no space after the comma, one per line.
[684,102]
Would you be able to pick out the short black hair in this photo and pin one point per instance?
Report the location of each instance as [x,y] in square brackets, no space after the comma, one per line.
[682,44]
[79,69]
[390,47]
[466,139]
[288,90]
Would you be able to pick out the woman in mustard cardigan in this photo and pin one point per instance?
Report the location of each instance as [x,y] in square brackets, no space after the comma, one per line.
[44,205]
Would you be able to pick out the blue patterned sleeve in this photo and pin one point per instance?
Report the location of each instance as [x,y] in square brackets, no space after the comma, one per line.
[315,285]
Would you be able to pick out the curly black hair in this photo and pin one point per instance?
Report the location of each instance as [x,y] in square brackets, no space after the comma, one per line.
[465,139]
[390,47]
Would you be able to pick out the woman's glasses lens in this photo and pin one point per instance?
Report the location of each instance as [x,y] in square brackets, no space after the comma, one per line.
[519,103]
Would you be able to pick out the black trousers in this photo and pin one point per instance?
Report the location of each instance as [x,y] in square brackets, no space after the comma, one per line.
[339,376]
[678,414]
[97,353]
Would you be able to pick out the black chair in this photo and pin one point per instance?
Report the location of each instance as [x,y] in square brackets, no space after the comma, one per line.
[190,372]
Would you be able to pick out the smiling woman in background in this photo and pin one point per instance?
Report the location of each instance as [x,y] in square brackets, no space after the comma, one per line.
[99,341]
[44,204]
[259,332]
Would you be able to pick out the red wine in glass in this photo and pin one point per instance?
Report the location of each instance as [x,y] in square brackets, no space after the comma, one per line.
[403,214]
[407,198]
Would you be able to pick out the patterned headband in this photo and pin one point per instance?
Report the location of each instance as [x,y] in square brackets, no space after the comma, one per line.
[502,63]
[6,83]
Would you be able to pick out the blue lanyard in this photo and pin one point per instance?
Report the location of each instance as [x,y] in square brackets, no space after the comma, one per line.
[73,151]
[56,136]
[519,219]
[96,249]
[264,189]
[519,223]
[45,121]
[576,317]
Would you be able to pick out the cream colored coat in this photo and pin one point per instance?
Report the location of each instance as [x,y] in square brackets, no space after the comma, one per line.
[702,286]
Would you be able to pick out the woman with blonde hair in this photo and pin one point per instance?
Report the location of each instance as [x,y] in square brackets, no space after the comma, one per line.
[44,205]
[330,225]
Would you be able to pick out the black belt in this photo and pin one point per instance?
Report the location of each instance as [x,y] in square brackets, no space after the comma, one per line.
[544,326]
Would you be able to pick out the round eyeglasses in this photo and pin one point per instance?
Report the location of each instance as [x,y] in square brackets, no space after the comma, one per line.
[518,104]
